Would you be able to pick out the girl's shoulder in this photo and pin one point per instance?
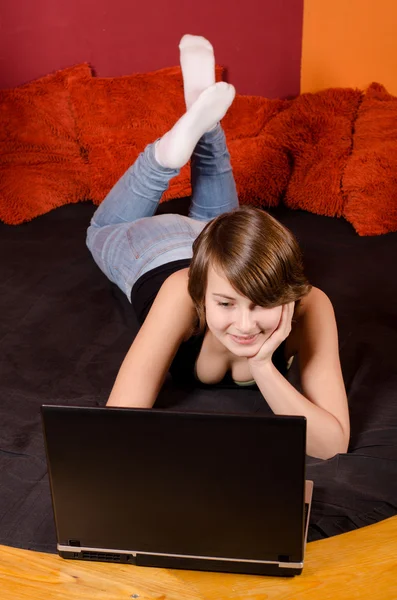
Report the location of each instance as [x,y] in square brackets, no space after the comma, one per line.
[175,291]
[176,287]
[178,279]
[314,307]
[314,298]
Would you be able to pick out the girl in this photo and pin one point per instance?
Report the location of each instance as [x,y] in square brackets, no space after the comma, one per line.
[221,294]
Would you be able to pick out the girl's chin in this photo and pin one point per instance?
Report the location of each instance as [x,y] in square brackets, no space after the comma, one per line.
[246,352]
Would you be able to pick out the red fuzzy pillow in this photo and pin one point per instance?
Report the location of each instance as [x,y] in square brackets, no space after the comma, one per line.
[41,166]
[370,178]
[117,117]
[316,133]
[260,164]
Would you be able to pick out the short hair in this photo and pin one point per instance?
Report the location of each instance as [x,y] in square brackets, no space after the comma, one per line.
[258,255]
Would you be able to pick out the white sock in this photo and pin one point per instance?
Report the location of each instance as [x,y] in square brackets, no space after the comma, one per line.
[175,148]
[198,66]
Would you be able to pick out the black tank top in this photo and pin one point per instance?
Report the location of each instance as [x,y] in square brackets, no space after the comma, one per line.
[182,369]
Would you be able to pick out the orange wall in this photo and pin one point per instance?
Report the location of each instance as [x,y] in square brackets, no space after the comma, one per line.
[349,43]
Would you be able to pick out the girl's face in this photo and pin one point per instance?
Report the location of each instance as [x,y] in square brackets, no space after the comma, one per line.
[234,320]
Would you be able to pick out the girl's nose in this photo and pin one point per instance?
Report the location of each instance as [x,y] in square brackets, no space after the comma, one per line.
[245,322]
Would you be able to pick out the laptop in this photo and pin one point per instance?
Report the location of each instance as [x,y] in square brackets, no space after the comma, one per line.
[186,490]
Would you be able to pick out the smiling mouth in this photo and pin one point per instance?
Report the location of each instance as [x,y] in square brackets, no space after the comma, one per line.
[244,339]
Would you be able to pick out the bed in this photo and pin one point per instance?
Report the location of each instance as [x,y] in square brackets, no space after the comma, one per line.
[65,330]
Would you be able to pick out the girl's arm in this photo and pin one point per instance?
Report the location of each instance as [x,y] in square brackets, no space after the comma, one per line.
[324,401]
[145,366]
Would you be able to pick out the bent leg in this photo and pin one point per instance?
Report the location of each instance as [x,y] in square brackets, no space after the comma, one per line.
[137,193]
[120,225]
[135,196]
[214,189]
[213,186]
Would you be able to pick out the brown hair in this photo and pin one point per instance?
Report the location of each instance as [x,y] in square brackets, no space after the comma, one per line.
[260,258]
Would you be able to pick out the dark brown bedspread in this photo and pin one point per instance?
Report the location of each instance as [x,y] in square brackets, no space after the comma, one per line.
[64,332]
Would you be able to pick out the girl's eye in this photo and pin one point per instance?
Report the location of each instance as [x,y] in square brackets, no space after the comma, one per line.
[224,304]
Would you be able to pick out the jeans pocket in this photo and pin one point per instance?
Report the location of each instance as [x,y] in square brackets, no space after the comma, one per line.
[151,236]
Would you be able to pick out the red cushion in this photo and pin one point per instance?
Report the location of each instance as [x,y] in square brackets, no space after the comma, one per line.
[370,178]
[316,132]
[117,117]
[260,163]
[41,166]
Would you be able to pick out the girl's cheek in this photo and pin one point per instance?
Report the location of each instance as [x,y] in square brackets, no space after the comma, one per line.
[276,322]
[218,320]
[277,318]
[270,325]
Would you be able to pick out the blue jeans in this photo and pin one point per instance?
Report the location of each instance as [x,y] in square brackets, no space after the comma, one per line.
[126,239]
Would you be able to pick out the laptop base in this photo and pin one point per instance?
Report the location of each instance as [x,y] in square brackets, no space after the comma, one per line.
[186,563]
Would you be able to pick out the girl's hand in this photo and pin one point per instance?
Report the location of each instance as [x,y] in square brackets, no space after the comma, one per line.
[283,330]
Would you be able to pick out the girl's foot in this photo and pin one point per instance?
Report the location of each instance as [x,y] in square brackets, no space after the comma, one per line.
[175,148]
[198,66]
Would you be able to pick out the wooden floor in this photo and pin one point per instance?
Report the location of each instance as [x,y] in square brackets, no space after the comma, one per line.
[361,564]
